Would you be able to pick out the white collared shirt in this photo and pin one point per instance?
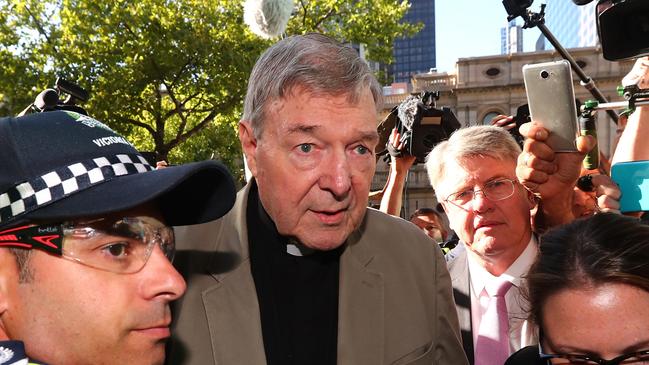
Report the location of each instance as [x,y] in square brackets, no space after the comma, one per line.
[522,332]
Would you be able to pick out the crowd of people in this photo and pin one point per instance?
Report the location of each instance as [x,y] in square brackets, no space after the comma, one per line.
[295,268]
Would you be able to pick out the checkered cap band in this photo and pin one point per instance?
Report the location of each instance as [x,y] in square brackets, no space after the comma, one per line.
[57,184]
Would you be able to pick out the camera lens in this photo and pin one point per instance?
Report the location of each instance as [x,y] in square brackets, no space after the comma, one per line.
[545,74]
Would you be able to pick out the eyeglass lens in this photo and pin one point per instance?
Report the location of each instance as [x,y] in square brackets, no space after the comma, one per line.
[122,246]
[494,190]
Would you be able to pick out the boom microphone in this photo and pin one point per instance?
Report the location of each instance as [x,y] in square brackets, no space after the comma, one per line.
[267,18]
[581,2]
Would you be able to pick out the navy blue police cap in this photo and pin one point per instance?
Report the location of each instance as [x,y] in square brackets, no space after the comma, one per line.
[61,165]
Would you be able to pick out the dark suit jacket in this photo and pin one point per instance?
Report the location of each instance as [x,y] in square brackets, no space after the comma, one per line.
[458,268]
[395,302]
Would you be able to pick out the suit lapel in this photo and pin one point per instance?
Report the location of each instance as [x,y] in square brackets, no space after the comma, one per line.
[361,305]
[233,316]
[459,270]
[231,304]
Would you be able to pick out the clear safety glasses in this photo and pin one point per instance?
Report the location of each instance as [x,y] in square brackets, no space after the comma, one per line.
[121,246]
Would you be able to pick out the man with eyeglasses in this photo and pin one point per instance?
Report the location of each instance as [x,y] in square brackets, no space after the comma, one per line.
[474,177]
[86,241]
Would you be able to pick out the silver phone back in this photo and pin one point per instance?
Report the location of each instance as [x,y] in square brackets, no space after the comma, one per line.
[551,99]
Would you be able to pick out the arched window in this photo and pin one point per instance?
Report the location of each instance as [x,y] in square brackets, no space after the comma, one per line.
[486,120]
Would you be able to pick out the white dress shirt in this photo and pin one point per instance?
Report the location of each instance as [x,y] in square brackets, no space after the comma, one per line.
[521,331]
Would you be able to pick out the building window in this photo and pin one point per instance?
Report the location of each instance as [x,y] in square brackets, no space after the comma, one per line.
[492,72]
[486,120]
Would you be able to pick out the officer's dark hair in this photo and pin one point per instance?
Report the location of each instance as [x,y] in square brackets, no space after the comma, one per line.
[22,256]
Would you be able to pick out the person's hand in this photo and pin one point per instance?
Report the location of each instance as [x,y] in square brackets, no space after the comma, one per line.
[402,164]
[399,166]
[550,175]
[608,194]
[603,189]
[631,145]
[504,121]
[543,171]
[639,74]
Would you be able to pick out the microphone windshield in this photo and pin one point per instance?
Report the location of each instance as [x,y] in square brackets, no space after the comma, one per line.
[267,18]
[581,2]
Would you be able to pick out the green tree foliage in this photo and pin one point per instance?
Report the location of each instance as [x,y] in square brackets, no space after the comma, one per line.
[21,64]
[373,23]
[169,74]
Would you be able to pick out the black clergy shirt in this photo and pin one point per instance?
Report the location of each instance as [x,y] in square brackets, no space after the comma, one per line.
[298,295]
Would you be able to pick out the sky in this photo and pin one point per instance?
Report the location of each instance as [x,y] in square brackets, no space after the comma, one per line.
[471,28]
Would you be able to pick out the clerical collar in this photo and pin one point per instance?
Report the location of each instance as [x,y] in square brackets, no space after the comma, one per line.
[293,247]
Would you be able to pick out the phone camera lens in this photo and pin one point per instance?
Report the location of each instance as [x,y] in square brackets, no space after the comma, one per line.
[545,74]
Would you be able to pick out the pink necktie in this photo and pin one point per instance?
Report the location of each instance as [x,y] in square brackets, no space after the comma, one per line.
[492,345]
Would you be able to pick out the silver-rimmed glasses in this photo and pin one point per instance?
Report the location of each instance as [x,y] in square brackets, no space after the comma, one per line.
[494,190]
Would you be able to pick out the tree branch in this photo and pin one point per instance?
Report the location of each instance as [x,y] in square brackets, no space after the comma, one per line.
[41,29]
[304,12]
[201,125]
[143,125]
[325,17]
[197,128]
[181,71]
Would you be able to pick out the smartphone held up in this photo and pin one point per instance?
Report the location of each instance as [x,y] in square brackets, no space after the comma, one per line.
[551,100]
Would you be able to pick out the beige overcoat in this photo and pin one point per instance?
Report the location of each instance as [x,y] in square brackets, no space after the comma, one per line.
[395,304]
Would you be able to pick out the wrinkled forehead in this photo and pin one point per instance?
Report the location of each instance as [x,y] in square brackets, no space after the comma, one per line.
[351,96]
[472,169]
[301,103]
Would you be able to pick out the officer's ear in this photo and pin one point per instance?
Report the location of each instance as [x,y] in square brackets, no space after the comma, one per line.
[9,276]
[11,279]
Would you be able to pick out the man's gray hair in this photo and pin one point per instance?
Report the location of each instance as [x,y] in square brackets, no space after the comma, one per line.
[490,141]
[313,61]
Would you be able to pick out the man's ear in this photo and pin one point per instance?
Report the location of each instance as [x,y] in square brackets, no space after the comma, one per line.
[249,145]
[8,282]
[450,223]
[531,198]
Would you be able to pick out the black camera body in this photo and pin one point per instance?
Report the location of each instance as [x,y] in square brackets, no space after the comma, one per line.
[50,99]
[516,8]
[622,25]
[522,116]
[623,28]
[421,126]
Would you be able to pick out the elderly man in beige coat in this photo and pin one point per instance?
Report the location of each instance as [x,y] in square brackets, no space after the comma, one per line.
[301,271]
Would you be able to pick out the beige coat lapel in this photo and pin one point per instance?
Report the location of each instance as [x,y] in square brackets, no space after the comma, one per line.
[361,328]
[231,304]
[233,318]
